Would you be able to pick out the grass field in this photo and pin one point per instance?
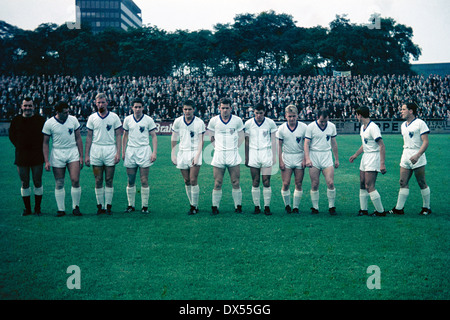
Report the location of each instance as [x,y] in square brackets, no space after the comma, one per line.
[169,255]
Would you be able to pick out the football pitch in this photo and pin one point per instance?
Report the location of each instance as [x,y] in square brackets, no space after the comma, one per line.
[169,255]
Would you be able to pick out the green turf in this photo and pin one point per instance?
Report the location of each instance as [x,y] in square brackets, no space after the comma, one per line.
[170,255]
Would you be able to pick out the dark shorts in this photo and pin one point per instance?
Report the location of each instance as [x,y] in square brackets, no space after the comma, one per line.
[29,158]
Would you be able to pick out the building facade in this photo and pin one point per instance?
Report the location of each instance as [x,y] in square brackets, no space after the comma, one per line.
[103,14]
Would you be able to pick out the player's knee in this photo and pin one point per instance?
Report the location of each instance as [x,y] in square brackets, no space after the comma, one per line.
[235,183]
[403,183]
[59,183]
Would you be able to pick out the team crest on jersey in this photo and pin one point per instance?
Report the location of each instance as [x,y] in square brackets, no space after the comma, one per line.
[265,133]
[328,138]
[70,131]
[298,139]
[108,127]
[232,130]
[366,140]
[192,134]
[411,134]
[141,129]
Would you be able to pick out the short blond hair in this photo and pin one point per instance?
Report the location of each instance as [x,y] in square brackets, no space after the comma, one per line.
[101,95]
[291,109]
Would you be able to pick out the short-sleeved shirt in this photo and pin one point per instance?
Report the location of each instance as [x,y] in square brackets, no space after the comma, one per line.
[260,134]
[293,140]
[62,133]
[138,130]
[370,137]
[103,128]
[189,133]
[226,134]
[412,133]
[320,138]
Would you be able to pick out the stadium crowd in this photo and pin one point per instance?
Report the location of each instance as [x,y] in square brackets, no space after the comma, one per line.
[163,96]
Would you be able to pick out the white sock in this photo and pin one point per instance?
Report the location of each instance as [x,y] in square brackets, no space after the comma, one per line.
[237,197]
[315,199]
[297,197]
[195,191]
[131,195]
[39,191]
[100,195]
[189,193]
[267,194]
[376,200]
[256,194]
[76,196]
[60,196]
[216,197]
[426,195]
[109,192]
[145,192]
[331,194]
[403,194]
[363,199]
[25,192]
[286,195]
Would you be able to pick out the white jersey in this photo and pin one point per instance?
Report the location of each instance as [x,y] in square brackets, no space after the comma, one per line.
[63,134]
[412,133]
[260,134]
[103,128]
[320,138]
[226,134]
[293,140]
[138,130]
[189,133]
[370,137]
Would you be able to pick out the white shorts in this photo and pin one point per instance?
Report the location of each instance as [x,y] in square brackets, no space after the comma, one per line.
[293,160]
[225,159]
[407,164]
[59,158]
[370,162]
[261,158]
[102,155]
[184,159]
[321,159]
[138,157]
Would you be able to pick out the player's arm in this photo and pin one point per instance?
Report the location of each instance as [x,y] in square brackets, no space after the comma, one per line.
[308,162]
[118,133]
[154,144]
[273,136]
[46,151]
[241,137]
[199,149]
[334,148]
[87,159]
[382,155]
[247,149]
[79,143]
[280,154]
[124,143]
[423,148]
[356,155]
[173,143]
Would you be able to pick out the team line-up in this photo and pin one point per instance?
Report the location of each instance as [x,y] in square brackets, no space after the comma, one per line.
[294,144]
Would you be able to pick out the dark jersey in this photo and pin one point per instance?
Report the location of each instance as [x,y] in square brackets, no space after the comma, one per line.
[26,135]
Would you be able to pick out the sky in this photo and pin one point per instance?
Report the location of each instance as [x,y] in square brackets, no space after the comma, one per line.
[429,18]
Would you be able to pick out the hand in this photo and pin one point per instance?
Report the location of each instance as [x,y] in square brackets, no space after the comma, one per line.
[116,158]
[87,161]
[81,163]
[336,164]
[47,166]
[352,158]
[414,159]
[383,169]
[153,157]
[308,163]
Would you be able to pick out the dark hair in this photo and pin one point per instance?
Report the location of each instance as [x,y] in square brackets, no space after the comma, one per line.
[27,99]
[363,111]
[323,113]
[412,106]
[189,103]
[60,105]
[260,107]
[225,101]
[137,100]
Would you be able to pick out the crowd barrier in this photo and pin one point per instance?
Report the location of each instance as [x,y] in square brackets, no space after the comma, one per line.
[164,128]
